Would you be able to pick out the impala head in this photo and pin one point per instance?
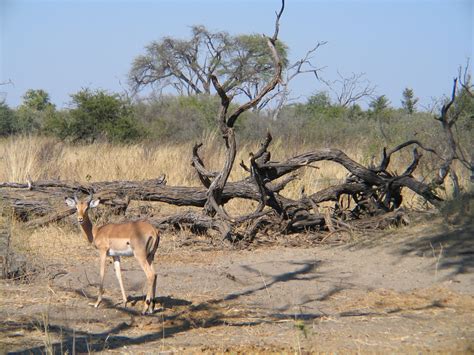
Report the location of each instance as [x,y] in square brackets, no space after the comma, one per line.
[82,206]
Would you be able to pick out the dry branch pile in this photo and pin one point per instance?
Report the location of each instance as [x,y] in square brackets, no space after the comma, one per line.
[372,191]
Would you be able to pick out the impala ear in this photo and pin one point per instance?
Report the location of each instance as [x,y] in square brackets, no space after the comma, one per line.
[70,202]
[94,203]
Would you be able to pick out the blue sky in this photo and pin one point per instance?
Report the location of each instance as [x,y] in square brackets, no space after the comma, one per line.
[63,46]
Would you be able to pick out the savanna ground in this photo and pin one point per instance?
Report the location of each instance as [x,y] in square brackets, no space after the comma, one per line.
[404,289]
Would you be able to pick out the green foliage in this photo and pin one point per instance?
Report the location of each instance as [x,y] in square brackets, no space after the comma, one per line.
[355,112]
[98,114]
[7,120]
[178,118]
[320,108]
[464,104]
[463,108]
[319,102]
[27,120]
[37,100]
[409,101]
[34,110]
[241,63]
[251,59]
[56,123]
[379,105]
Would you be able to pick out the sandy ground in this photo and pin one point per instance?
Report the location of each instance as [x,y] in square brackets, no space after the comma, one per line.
[405,290]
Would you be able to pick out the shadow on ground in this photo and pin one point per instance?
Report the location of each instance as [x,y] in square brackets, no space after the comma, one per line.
[446,236]
[179,316]
[176,316]
[454,248]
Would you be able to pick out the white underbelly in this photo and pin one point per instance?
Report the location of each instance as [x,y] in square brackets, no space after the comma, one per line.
[122,252]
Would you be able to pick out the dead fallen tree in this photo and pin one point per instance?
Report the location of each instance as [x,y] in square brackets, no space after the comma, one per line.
[368,193]
[371,191]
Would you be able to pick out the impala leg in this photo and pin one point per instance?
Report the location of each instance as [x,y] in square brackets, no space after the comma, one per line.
[103,255]
[153,290]
[150,279]
[118,273]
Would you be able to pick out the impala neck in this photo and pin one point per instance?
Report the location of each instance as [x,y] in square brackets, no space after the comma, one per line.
[87,228]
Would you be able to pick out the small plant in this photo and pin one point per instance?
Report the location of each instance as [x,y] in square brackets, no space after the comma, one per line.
[42,326]
[301,325]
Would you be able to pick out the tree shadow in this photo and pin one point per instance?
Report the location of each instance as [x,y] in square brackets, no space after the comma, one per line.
[177,316]
[187,317]
[300,274]
[453,248]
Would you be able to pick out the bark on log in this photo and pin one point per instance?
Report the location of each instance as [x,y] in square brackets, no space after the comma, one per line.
[374,191]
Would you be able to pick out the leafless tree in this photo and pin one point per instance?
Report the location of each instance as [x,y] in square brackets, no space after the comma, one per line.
[350,90]
[226,122]
[2,93]
[282,94]
[449,114]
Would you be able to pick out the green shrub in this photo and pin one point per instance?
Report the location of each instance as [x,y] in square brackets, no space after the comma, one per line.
[7,120]
[178,118]
[35,108]
[98,114]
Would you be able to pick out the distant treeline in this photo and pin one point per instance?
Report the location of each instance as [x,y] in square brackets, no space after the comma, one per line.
[99,115]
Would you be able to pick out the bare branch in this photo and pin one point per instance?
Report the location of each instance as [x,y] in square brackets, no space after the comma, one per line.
[444,110]
[416,159]
[203,173]
[350,90]
[269,87]
[464,78]
[277,22]
[386,155]
[302,66]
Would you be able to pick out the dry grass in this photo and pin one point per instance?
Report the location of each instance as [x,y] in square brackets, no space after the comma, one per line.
[389,301]
[56,243]
[44,158]
[48,158]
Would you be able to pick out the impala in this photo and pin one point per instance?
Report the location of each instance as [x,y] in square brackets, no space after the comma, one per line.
[139,239]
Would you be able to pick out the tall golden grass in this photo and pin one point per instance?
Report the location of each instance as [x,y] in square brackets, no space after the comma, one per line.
[46,158]
[41,158]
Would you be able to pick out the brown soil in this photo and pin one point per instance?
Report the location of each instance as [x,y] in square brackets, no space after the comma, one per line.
[405,290]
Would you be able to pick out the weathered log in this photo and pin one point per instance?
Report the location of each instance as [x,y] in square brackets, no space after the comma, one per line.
[64,185]
[373,189]
[393,218]
[275,170]
[196,222]
[50,218]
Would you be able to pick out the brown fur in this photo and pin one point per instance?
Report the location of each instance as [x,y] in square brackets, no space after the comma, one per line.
[139,236]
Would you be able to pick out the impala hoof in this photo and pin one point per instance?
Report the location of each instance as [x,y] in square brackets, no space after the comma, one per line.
[148,307]
[147,312]
[124,302]
[95,304]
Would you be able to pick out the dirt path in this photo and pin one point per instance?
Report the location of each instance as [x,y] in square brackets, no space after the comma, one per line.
[386,293]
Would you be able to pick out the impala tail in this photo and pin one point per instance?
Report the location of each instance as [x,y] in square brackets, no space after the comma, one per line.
[152,245]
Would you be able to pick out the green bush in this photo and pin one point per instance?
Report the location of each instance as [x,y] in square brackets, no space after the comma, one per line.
[27,120]
[178,118]
[7,120]
[56,123]
[318,122]
[100,115]
[35,108]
